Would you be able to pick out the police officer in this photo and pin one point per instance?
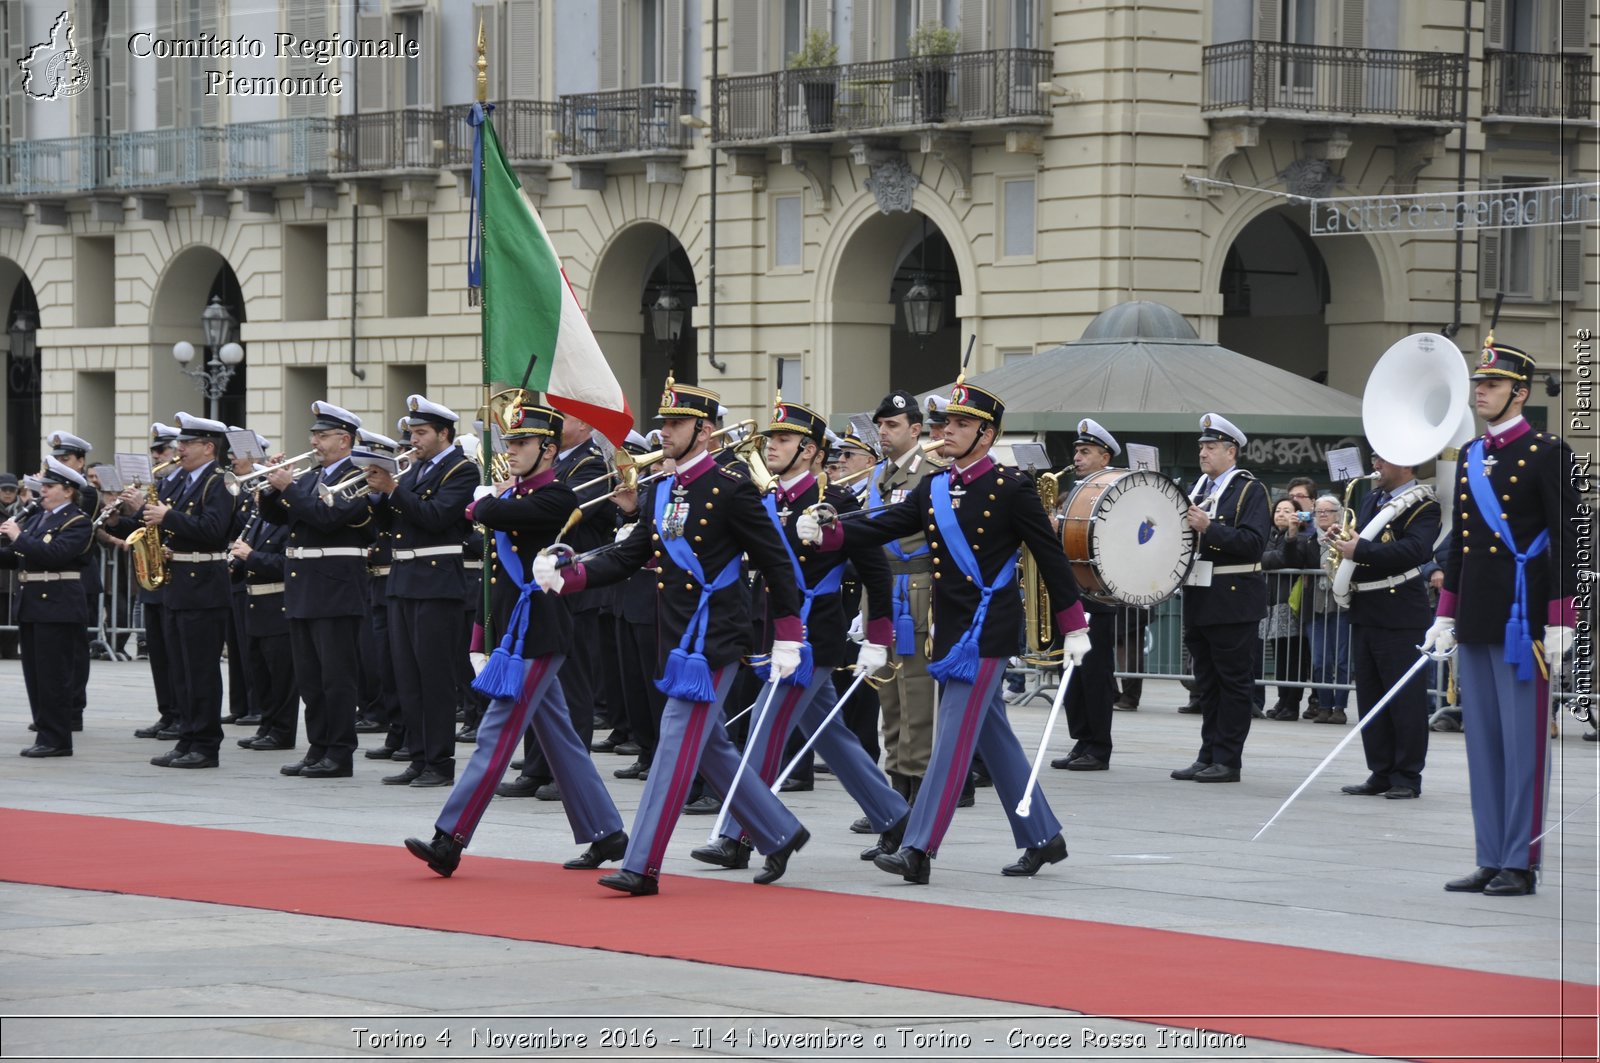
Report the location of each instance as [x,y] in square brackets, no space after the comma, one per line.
[164,467]
[258,561]
[1508,600]
[50,548]
[1225,599]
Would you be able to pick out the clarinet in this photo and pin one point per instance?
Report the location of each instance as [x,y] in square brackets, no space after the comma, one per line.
[20,516]
[244,534]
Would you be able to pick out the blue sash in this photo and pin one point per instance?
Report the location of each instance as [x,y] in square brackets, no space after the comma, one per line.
[828,584]
[961,663]
[687,675]
[905,625]
[1519,633]
[502,677]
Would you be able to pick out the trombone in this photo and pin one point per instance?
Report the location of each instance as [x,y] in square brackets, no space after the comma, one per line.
[360,487]
[626,470]
[826,514]
[252,481]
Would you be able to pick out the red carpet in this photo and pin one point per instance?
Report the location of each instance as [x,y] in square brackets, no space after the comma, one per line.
[1384,1007]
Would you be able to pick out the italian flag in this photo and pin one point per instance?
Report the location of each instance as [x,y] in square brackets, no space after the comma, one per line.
[530,313]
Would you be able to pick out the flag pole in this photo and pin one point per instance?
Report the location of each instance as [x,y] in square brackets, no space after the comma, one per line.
[475,296]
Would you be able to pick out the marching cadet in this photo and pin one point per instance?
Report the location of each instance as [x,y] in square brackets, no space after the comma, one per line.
[73,452]
[855,457]
[1389,615]
[1093,690]
[163,451]
[324,595]
[977,516]
[426,584]
[697,523]
[1225,599]
[50,547]
[526,515]
[636,655]
[258,561]
[1507,607]
[806,696]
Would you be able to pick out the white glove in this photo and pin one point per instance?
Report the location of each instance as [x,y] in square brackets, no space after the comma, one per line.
[1440,639]
[785,659]
[871,658]
[809,529]
[857,630]
[482,491]
[624,531]
[1557,641]
[1075,647]
[546,575]
[479,662]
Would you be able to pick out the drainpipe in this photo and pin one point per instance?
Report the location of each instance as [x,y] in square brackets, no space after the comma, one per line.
[1454,327]
[711,307]
[355,207]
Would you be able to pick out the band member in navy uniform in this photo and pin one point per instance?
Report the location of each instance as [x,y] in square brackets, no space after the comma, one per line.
[50,547]
[1225,599]
[1389,614]
[977,517]
[258,560]
[73,452]
[1093,689]
[324,595]
[697,523]
[196,527]
[1507,607]
[378,708]
[163,451]
[805,697]
[525,516]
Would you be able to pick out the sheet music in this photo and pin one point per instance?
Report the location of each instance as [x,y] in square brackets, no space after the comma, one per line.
[1344,464]
[1141,456]
[243,445]
[866,431]
[110,480]
[133,468]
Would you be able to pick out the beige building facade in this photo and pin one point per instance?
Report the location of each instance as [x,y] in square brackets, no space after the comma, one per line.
[1040,161]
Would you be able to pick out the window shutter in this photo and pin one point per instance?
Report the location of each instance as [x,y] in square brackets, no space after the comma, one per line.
[975,25]
[1488,263]
[1267,28]
[1494,24]
[928,11]
[117,31]
[1353,34]
[428,58]
[373,74]
[864,30]
[819,16]
[1569,265]
[672,42]
[83,38]
[1574,26]
[166,72]
[610,45]
[13,107]
[207,110]
[523,50]
[308,20]
[746,36]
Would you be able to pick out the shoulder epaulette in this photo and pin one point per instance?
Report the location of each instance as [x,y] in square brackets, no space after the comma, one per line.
[452,470]
[733,474]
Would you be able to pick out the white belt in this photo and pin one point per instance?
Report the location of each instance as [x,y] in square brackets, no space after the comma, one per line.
[1235,570]
[377,570]
[263,588]
[1385,584]
[47,577]
[299,553]
[195,559]
[427,551]
[473,564]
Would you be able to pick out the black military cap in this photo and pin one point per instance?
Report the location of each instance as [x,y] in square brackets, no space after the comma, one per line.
[1501,361]
[897,404]
[793,417]
[967,400]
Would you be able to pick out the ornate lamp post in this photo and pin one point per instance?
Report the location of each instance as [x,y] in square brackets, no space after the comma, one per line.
[219,328]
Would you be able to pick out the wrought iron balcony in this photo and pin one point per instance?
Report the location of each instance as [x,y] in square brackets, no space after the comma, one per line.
[279,150]
[379,142]
[166,158]
[35,168]
[642,121]
[527,130]
[964,89]
[1272,80]
[1529,85]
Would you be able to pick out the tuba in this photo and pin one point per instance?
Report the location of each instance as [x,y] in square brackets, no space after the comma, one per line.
[497,412]
[144,545]
[1038,621]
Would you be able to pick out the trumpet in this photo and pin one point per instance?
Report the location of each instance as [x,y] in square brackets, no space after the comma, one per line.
[359,487]
[251,481]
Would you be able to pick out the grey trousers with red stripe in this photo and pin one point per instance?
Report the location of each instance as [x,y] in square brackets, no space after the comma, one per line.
[972,717]
[1508,755]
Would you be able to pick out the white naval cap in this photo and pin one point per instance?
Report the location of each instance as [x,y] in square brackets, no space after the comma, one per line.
[191,428]
[653,438]
[57,473]
[1093,432]
[425,411]
[67,443]
[1215,427]
[373,440]
[328,417]
[162,436]
[938,407]
[722,412]
[636,440]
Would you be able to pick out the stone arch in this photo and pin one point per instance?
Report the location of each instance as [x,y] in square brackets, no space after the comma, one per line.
[21,405]
[180,295]
[638,254]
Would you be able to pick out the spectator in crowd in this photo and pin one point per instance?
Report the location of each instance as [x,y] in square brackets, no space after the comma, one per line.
[1287,548]
[1329,626]
[11,502]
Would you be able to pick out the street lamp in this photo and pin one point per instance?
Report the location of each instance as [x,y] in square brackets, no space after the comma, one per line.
[219,328]
[924,308]
[667,316]
[24,334]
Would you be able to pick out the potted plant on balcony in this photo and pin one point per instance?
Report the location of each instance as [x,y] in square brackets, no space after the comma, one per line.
[817,61]
[931,45]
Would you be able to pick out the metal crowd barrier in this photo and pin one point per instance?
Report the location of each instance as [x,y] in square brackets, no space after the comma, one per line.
[117,627]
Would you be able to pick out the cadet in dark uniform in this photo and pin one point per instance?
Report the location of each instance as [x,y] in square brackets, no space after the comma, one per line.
[259,562]
[1225,599]
[74,454]
[527,516]
[324,597]
[163,451]
[426,583]
[697,523]
[977,516]
[49,546]
[1389,614]
[1509,587]
[854,456]
[642,700]
[196,526]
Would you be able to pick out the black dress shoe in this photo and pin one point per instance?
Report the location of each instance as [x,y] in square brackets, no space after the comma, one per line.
[404,778]
[862,825]
[516,765]
[626,881]
[602,745]
[629,748]
[889,840]
[1217,773]
[630,772]
[149,732]
[194,759]
[1473,883]
[244,743]
[1052,852]
[725,852]
[550,791]
[611,847]
[251,719]
[521,786]
[169,734]
[1088,762]
[704,805]
[365,726]
[164,759]
[467,734]
[1364,789]
[40,750]
[442,854]
[967,800]
[433,777]
[1401,793]
[1063,762]
[910,864]
[381,753]
[1191,709]
[778,860]
[796,786]
[1510,882]
[292,769]
[267,742]
[326,768]
[1191,771]
[232,717]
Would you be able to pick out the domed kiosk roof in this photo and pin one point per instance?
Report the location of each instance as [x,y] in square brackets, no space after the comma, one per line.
[1140,320]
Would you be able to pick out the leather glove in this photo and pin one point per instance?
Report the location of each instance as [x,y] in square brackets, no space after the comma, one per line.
[857,632]
[785,659]
[871,658]
[1440,640]
[1075,647]
[809,529]
[546,575]
[479,662]
[1557,641]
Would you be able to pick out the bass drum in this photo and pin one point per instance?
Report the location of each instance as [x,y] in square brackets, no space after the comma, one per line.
[1124,533]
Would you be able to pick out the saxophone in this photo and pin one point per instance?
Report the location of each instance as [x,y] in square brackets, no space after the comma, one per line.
[149,557]
[1039,621]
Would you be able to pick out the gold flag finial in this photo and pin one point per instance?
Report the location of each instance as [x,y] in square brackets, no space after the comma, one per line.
[483,65]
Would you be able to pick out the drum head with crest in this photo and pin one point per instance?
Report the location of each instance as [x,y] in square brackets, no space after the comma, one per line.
[1125,535]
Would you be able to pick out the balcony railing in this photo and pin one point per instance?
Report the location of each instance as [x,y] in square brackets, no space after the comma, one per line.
[54,167]
[279,150]
[964,88]
[390,141]
[1528,85]
[525,129]
[642,120]
[1281,80]
[167,158]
